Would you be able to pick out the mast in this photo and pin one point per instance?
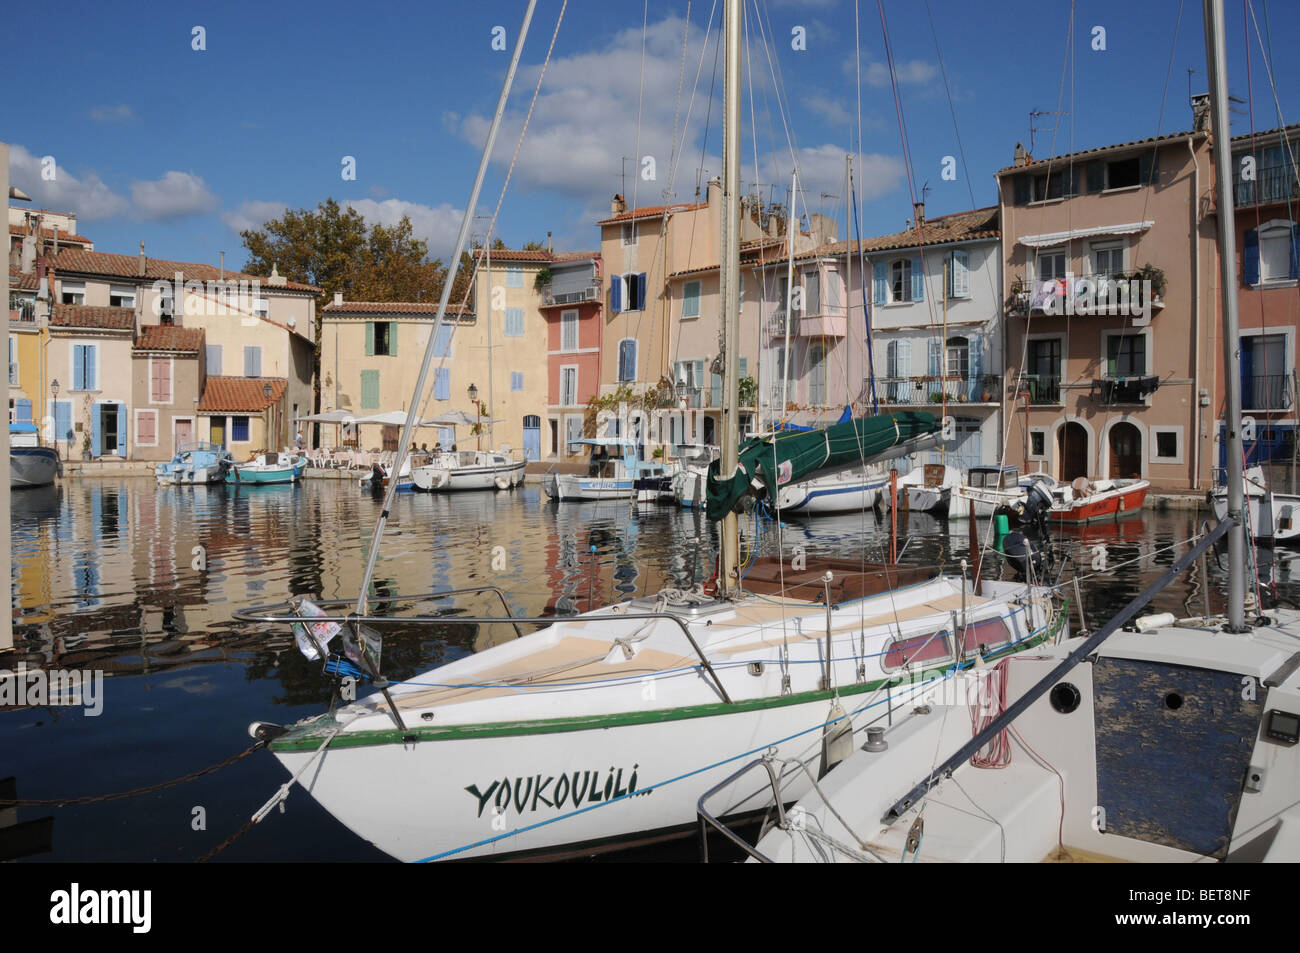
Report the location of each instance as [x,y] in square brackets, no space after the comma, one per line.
[1216,61]
[789,293]
[491,319]
[728,567]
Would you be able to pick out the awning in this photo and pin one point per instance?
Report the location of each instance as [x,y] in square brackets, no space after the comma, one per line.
[458,418]
[1056,238]
[329,417]
[393,418]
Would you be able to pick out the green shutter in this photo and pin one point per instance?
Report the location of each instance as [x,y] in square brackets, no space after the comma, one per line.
[392,339]
[370,339]
[369,390]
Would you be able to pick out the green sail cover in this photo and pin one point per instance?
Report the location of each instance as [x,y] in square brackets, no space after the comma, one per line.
[790,456]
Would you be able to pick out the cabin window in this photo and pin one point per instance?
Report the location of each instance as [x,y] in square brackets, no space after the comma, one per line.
[991,633]
[931,647]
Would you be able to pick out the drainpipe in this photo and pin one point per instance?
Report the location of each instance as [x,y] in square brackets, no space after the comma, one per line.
[1196,314]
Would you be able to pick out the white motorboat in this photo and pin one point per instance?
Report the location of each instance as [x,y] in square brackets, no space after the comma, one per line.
[381,473]
[196,463]
[991,488]
[608,477]
[928,489]
[469,470]
[30,464]
[693,471]
[1272,516]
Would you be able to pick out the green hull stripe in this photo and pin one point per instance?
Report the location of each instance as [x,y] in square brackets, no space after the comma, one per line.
[309,738]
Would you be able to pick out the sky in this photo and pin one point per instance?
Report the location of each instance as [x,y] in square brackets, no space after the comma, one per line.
[180,124]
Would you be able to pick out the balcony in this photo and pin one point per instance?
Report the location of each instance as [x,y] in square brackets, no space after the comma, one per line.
[22,309]
[934,390]
[824,324]
[1267,392]
[1096,294]
[1041,388]
[1124,390]
[1277,183]
[587,293]
[14,378]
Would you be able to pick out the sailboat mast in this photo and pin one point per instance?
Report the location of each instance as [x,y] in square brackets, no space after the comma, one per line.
[729,565]
[1216,60]
[789,294]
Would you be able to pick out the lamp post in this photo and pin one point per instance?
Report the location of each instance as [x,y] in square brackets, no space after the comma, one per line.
[478,412]
[54,399]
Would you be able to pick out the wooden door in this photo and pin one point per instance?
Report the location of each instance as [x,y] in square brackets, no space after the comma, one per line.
[1125,452]
[1072,447]
[184,434]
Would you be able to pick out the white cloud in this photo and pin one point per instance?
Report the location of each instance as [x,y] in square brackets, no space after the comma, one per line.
[119,113]
[252,214]
[175,195]
[437,225]
[916,72]
[89,197]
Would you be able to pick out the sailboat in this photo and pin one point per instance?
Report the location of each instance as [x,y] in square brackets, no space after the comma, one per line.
[599,729]
[1180,742]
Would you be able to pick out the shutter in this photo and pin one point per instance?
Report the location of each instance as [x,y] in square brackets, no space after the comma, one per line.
[935,368]
[697,398]
[1250,257]
[62,420]
[715,388]
[691,302]
[1021,190]
[392,339]
[1247,372]
[121,430]
[1295,252]
[78,367]
[91,354]
[616,293]
[442,342]
[891,359]
[640,292]
[24,411]
[1096,176]
[370,339]
[904,358]
[880,282]
[1149,168]
[918,280]
[959,274]
[96,438]
[744,367]
[442,384]
[214,359]
[976,364]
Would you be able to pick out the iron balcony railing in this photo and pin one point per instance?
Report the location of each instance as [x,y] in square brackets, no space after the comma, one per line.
[13,374]
[935,390]
[1266,392]
[1042,388]
[22,308]
[1277,183]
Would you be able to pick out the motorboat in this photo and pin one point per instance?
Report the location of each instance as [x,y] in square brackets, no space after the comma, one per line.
[1272,516]
[267,468]
[196,463]
[692,472]
[1083,500]
[991,488]
[928,489]
[608,477]
[30,463]
[469,470]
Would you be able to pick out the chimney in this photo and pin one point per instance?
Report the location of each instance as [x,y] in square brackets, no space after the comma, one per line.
[1022,157]
[141,269]
[918,213]
[618,206]
[222,273]
[548,243]
[338,299]
[714,194]
[276,280]
[1201,112]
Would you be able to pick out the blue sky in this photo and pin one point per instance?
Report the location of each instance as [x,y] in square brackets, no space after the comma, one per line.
[157,141]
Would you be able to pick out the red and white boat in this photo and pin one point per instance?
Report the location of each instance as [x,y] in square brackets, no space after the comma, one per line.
[1084,500]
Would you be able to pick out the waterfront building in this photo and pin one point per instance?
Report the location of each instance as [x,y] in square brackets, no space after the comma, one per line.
[168,374]
[573,307]
[1112,376]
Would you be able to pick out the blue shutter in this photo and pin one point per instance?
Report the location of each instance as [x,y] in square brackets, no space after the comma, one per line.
[516,380]
[78,367]
[1250,257]
[715,390]
[252,362]
[744,367]
[514,322]
[959,275]
[214,359]
[96,438]
[370,339]
[92,353]
[442,342]
[880,282]
[640,292]
[918,280]
[121,430]
[447,437]
[627,360]
[935,366]
[63,420]
[442,384]
[24,411]
[1295,252]
[616,293]
[697,400]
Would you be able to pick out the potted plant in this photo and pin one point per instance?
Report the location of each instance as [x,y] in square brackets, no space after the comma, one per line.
[85,447]
[987,383]
[659,453]
[1156,276]
[543,280]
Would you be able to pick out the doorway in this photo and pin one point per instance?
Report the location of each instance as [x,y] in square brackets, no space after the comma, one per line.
[217,434]
[532,437]
[1072,451]
[1125,452]
[184,434]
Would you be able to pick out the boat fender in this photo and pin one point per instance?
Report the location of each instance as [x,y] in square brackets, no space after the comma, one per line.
[444,477]
[265,731]
[837,738]
[502,483]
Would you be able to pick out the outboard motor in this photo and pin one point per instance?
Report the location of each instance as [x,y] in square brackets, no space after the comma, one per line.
[1032,547]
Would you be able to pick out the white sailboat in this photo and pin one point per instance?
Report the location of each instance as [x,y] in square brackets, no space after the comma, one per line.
[1179,743]
[601,728]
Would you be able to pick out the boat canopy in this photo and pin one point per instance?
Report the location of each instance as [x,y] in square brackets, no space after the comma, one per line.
[777,459]
[22,427]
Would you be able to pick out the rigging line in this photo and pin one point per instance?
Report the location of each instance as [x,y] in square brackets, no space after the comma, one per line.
[640,95]
[680,145]
[677,103]
[777,87]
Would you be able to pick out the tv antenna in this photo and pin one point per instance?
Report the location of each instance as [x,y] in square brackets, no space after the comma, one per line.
[1033,129]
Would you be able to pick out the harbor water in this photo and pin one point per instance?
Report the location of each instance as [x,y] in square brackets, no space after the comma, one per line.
[138,583]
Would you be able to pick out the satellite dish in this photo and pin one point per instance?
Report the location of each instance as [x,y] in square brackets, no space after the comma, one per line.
[292,321]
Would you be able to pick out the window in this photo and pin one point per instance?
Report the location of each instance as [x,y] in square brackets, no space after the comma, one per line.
[931,647]
[691,299]
[160,380]
[514,322]
[1051,265]
[239,429]
[985,635]
[385,338]
[900,280]
[1271,253]
[1166,444]
[817,374]
[572,432]
[568,386]
[958,274]
[1105,175]
[1126,355]
[514,276]
[370,390]
[627,292]
[1122,173]
[1265,372]
[120,296]
[1063,183]
[958,357]
[261,307]
[568,330]
[441,384]
[214,359]
[1275,255]
[1037,443]
[812,292]
[1108,260]
[252,362]
[146,428]
[627,359]
[629,233]
[74,292]
[1275,177]
[13,364]
[1044,371]
[85,366]
[516,380]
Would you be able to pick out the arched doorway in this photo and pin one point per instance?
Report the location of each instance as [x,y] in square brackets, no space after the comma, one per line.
[1125,451]
[1072,451]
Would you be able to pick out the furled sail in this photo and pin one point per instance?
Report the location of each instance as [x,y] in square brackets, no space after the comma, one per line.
[771,461]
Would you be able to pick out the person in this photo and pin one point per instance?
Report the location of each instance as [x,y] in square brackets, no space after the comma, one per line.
[424,448]
[299,442]
[453,448]
[437,446]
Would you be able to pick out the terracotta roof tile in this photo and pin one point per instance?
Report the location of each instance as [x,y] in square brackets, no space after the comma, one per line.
[128,266]
[163,337]
[393,307]
[649,211]
[48,235]
[240,395]
[542,255]
[18,281]
[1056,161]
[86,316]
[981,223]
[1292,132]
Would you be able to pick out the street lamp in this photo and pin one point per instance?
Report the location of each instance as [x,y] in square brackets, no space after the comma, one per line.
[54,397]
[478,412]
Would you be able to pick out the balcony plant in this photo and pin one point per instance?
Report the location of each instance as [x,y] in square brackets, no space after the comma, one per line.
[1156,276]
[542,281]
